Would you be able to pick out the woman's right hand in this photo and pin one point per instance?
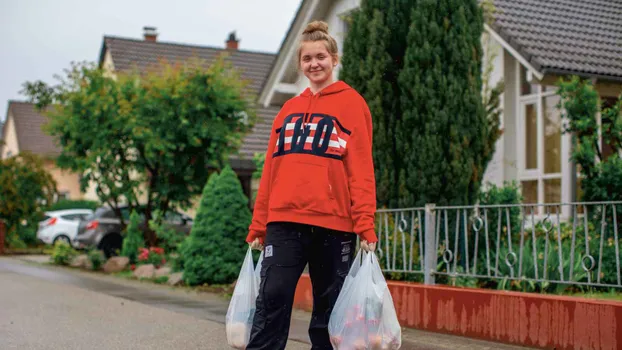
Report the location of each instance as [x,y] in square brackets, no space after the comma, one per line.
[256,244]
[368,247]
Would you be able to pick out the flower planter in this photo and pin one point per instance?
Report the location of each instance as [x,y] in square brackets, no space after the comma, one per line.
[535,320]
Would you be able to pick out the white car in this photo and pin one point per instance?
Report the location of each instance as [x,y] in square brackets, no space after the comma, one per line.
[61,225]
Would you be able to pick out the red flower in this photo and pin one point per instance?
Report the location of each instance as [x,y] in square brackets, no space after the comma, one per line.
[157,250]
[133,267]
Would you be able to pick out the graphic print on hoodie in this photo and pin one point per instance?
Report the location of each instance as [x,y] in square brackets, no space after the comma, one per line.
[318,168]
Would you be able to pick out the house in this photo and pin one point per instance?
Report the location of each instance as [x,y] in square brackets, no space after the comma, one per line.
[536,43]
[23,127]
[22,132]
[124,54]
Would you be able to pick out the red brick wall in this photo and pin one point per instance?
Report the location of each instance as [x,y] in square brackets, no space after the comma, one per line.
[544,321]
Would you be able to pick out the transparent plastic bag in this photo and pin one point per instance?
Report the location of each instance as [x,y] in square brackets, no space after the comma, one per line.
[239,319]
[364,316]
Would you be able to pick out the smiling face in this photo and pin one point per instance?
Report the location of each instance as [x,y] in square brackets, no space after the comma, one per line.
[317,63]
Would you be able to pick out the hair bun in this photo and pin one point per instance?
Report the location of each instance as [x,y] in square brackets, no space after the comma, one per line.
[316,26]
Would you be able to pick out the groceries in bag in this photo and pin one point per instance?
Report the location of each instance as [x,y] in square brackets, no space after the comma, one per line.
[364,316]
[239,319]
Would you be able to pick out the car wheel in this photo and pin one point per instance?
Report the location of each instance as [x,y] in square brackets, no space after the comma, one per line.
[111,245]
[62,238]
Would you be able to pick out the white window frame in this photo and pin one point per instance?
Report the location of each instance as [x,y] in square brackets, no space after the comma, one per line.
[538,174]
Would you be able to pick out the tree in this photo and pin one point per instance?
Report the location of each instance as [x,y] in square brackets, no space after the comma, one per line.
[419,66]
[133,238]
[216,247]
[580,104]
[25,188]
[154,134]
[443,117]
[372,59]
[193,250]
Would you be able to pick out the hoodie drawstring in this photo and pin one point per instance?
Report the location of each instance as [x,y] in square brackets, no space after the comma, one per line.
[307,118]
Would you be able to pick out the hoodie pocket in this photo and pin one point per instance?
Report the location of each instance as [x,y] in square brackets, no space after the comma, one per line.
[304,186]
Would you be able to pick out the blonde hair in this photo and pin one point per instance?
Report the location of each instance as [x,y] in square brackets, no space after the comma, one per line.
[318,31]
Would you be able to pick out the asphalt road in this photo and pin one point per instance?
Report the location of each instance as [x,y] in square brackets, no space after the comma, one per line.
[39,314]
[49,307]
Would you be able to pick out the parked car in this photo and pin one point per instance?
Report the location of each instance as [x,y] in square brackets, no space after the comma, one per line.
[103,229]
[61,225]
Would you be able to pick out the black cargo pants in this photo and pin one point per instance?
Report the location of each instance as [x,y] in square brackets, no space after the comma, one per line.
[287,249]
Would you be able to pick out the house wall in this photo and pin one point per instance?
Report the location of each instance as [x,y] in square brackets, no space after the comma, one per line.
[509,138]
[66,182]
[494,53]
[107,64]
[10,146]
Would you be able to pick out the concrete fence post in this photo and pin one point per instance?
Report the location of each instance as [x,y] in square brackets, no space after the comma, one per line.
[429,244]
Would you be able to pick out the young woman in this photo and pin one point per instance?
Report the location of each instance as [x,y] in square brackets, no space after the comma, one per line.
[317,192]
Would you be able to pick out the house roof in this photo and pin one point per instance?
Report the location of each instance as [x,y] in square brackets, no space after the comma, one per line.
[257,140]
[581,37]
[28,123]
[557,37]
[129,53]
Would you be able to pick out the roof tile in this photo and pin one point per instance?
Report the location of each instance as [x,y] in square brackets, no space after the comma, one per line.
[580,36]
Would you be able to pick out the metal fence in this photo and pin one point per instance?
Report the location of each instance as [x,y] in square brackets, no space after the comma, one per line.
[556,243]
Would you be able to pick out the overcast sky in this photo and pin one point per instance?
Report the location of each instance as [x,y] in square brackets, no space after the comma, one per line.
[39,38]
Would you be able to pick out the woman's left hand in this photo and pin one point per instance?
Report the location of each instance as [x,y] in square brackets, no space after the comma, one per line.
[368,247]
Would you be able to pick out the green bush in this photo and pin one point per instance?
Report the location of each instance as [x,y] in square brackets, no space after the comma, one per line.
[216,246]
[15,242]
[160,280]
[168,238]
[63,253]
[97,258]
[133,238]
[177,260]
[508,194]
[24,234]
[65,204]
[28,233]
[606,183]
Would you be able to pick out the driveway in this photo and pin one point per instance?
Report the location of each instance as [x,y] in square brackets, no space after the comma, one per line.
[36,313]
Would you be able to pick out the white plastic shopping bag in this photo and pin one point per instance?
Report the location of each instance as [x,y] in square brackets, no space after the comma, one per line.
[364,316]
[239,319]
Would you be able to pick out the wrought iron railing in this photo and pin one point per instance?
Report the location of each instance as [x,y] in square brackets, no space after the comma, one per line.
[554,243]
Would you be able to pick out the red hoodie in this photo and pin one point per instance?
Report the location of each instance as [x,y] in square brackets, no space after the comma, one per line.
[323,179]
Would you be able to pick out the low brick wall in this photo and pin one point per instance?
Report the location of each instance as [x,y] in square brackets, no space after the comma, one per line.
[535,320]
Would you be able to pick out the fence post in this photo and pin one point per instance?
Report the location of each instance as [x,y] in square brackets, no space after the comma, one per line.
[2,235]
[429,244]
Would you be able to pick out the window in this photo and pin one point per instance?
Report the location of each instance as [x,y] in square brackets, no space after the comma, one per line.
[64,195]
[540,142]
[74,217]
